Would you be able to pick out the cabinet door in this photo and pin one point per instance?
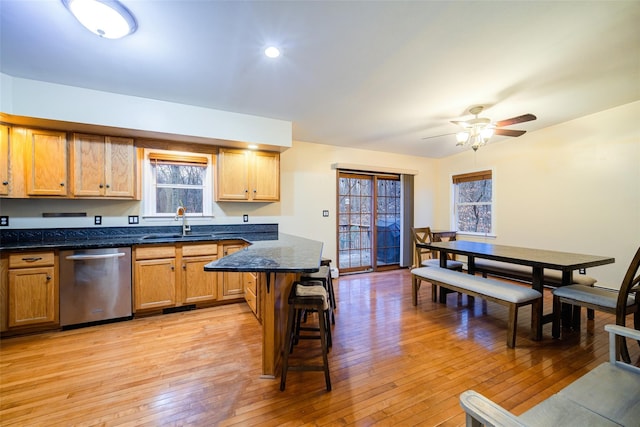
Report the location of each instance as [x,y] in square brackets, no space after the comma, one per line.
[4,160]
[32,296]
[233,175]
[87,159]
[46,163]
[265,176]
[232,282]
[154,284]
[198,285]
[120,167]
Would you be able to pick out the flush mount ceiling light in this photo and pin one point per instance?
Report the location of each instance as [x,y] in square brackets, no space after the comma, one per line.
[272,52]
[106,18]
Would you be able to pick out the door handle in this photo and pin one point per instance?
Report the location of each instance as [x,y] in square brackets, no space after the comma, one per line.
[99,256]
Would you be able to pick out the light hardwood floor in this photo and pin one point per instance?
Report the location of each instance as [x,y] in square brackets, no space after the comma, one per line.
[391,364]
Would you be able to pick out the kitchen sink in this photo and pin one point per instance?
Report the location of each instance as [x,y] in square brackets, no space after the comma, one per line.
[175,236]
[160,236]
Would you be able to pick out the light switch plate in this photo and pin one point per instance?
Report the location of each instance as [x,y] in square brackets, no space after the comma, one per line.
[133,219]
[245,218]
[325,213]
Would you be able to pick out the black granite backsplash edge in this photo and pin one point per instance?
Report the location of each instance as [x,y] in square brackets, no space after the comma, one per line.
[94,233]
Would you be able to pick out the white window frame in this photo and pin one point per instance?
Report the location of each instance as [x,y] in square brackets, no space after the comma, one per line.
[149,193]
[454,205]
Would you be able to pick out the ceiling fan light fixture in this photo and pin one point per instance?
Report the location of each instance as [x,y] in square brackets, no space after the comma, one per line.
[462,137]
[106,18]
[486,133]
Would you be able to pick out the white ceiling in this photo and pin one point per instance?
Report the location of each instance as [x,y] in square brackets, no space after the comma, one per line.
[377,75]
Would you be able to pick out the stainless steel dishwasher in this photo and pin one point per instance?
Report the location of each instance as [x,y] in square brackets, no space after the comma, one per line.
[95,285]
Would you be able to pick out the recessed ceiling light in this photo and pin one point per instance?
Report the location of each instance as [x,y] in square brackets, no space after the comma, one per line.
[106,18]
[272,52]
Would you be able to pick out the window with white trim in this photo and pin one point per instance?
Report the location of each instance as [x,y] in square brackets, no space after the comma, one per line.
[175,179]
[473,203]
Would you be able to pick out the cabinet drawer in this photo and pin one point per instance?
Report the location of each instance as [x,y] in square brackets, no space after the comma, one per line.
[202,249]
[30,259]
[250,282]
[252,301]
[155,252]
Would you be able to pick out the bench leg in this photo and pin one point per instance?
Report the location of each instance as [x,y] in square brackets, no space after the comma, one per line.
[576,317]
[434,293]
[415,286]
[557,316]
[512,325]
[536,319]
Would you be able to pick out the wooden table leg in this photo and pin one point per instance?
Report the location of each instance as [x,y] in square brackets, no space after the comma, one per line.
[538,285]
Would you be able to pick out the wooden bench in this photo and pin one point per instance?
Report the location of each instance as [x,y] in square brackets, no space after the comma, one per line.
[524,273]
[511,295]
[606,396]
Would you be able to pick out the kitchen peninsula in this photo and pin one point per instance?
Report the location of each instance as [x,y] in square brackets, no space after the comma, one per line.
[279,262]
[268,261]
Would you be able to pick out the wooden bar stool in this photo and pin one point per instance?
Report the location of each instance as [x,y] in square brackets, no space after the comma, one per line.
[324,275]
[307,296]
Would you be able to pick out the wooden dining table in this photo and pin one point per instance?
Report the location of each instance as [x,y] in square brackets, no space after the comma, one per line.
[537,259]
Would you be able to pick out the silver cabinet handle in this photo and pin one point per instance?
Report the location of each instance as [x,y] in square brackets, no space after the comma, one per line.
[100,256]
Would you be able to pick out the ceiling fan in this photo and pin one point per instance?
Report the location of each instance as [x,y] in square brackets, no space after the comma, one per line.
[477,131]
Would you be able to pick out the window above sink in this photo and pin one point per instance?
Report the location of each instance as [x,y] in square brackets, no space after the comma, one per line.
[174,178]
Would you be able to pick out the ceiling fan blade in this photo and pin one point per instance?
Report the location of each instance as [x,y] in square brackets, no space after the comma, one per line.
[509,132]
[514,120]
[438,136]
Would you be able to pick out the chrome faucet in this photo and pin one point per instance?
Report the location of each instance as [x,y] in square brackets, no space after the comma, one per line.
[182,212]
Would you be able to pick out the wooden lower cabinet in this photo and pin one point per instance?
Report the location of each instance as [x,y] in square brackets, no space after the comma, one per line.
[232,282]
[252,292]
[199,286]
[159,283]
[32,293]
[154,283]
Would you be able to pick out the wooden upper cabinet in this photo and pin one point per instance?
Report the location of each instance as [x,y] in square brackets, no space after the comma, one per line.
[46,163]
[4,160]
[233,175]
[103,166]
[265,176]
[248,176]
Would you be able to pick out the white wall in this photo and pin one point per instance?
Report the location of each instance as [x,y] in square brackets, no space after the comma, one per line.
[308,186]
[572,187]
[32,98]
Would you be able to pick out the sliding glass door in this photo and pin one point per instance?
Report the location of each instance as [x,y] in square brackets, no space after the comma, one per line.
[369,222]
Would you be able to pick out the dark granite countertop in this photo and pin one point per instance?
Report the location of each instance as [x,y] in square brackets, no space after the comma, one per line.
[286,254]
[109,237]
[269,250]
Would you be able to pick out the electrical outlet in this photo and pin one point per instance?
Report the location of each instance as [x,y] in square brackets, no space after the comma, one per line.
[97,220]
[582,271]
[4,221]
[325,213]
[245,218]
[133,219]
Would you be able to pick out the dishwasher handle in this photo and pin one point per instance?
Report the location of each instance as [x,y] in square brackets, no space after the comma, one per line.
[95,256]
